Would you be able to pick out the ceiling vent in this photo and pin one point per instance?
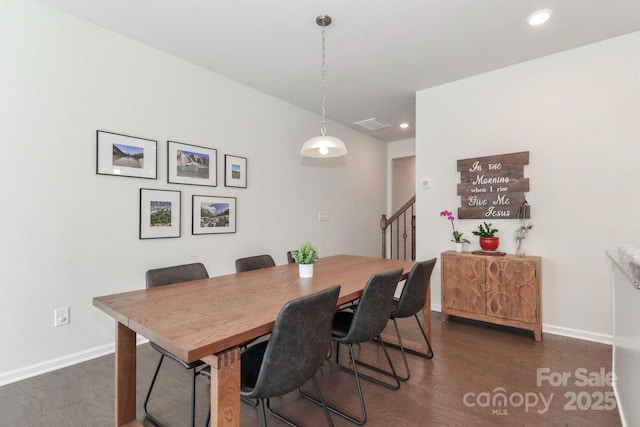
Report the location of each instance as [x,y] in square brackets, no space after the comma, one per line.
[372,124]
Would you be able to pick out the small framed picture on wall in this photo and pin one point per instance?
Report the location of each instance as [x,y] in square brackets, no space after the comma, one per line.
[235,171]
[159,213]
[122,155]
[213,215]
[191,164]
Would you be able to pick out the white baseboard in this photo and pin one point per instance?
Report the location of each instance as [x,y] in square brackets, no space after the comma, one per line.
[616,392]
[577,333]
[565,332]
[59,363]
[83,356]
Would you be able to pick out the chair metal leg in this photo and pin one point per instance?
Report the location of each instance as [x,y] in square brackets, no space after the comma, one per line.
[153,382]
[360,396]
[404,357]
[322,402]
[146,399]
[391,374]
[249,401]
[193,398]
[263,412]
[428,355]
[403,350]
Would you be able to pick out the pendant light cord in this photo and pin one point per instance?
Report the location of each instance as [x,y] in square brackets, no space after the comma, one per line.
[323,126]
[323,146]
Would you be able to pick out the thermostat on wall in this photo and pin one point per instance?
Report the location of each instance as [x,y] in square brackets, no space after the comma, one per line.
[425,183]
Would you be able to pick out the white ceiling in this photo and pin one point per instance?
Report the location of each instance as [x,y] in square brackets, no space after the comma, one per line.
[379,52]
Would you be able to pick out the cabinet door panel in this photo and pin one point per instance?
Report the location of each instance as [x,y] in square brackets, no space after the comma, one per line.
[512,290]
[464,284]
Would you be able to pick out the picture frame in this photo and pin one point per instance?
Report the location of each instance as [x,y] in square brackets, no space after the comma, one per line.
[160,213]
[123,155]
[213,215]
[235,171]
[191,164]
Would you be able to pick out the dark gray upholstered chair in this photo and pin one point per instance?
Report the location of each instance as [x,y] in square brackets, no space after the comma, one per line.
[292,355]
[366,323]
[167,276]
[254,263]
[412,299]
[290,259]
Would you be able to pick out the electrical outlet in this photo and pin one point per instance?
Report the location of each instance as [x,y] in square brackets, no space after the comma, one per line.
[61,317]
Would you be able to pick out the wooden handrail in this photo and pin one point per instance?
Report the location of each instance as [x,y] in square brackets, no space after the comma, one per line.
[399,217]
[400,211]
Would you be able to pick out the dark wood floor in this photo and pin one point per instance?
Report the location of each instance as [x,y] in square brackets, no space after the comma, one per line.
[475,364]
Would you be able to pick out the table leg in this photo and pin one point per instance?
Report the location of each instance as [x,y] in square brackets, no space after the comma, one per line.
[125,367]
[426,311]
[225,388]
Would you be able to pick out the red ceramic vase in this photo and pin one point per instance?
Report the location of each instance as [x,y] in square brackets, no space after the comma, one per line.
[489,243]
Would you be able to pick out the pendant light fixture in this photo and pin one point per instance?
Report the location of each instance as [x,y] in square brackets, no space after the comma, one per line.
[323,145]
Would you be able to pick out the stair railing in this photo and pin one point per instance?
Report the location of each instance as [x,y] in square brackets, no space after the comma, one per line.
[401,231]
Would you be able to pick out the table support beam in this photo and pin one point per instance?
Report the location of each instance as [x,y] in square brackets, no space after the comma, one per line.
[125,367]
[426,312]
[225,388]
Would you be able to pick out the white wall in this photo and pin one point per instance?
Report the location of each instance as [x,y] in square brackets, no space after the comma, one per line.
[68,235]
[577,113]
[397,150]
[403,186]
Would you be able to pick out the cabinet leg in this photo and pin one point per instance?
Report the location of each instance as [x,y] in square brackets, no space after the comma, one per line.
[537,334]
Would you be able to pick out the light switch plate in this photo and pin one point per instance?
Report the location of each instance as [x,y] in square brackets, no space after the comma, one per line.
[61,317]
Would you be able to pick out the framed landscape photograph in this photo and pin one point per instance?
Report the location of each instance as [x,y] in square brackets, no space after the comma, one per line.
[123,155]
[213,215]
[159,213]
[191,164]
[235,171]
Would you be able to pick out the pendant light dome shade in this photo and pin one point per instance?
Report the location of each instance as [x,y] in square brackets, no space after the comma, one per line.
[323,146]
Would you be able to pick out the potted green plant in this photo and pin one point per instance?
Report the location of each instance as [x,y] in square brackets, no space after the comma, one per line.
[488,240]
[457,236]
[305,257]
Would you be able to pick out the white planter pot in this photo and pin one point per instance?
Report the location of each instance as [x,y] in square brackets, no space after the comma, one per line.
[306,270]
[459,247]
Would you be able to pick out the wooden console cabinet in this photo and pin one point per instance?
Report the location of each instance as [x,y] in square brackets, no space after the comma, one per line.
[504,290]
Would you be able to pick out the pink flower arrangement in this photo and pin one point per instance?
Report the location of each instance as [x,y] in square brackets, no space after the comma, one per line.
[457,236]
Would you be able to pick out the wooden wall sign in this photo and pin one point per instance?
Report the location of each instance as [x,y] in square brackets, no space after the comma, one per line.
[493,186]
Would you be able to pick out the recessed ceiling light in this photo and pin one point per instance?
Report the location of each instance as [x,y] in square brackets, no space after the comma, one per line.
[539,17]
[404,125]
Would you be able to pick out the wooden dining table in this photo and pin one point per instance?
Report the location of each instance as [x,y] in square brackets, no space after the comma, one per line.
[209,319]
